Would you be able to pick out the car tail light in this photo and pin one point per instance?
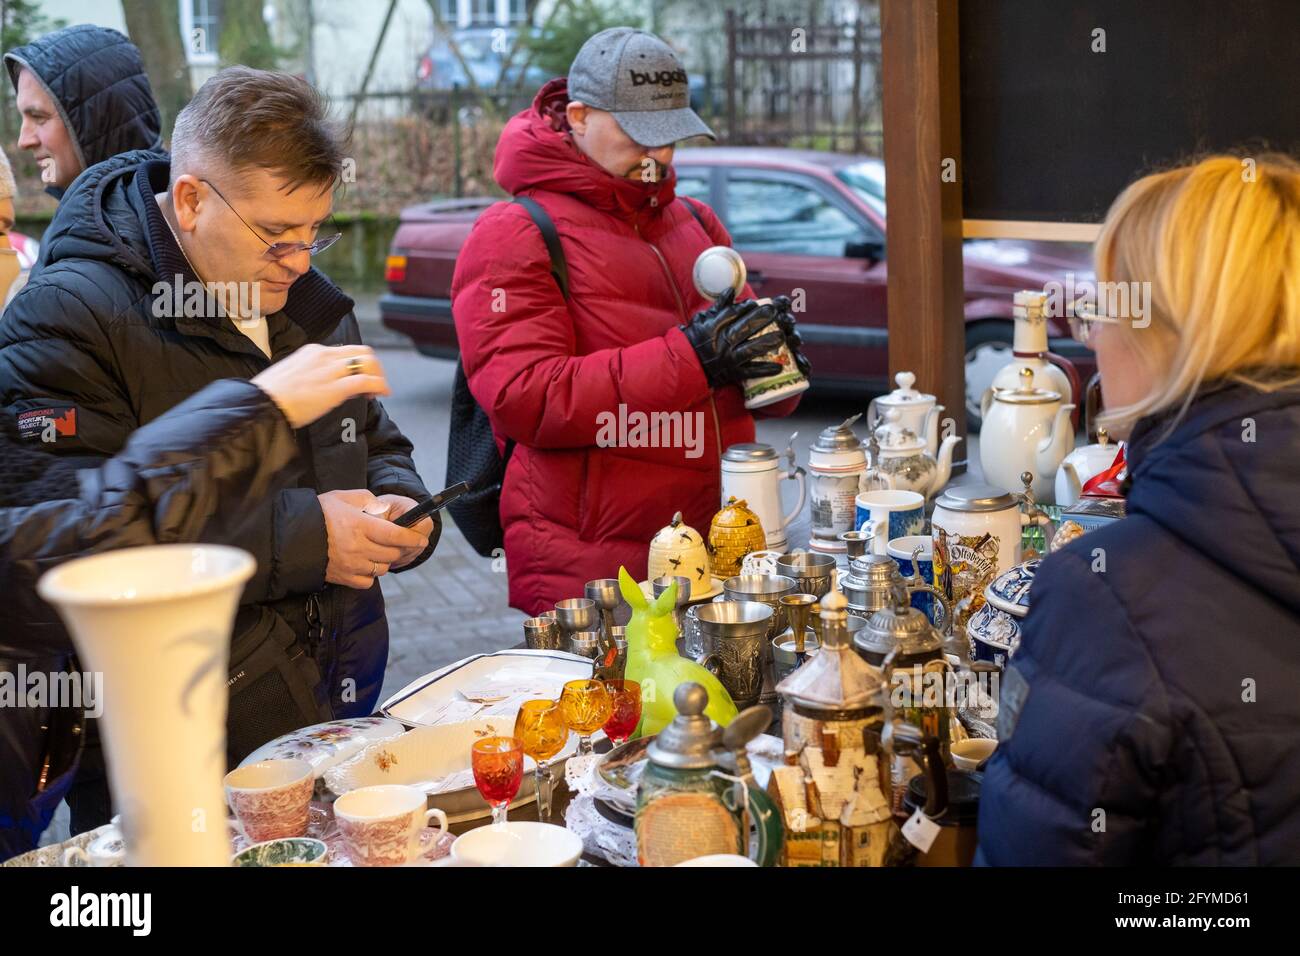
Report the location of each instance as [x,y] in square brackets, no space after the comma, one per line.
[425,69]
[395,269]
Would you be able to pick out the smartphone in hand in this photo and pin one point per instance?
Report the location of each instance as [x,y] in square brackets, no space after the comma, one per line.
[429,505]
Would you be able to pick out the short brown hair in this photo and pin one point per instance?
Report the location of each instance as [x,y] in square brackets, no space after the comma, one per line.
[242,117]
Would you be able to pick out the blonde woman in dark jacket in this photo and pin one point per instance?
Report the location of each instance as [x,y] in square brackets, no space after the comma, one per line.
[1151,714]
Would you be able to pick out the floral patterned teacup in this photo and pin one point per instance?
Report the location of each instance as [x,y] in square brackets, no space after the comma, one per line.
[381,825]
[271,798]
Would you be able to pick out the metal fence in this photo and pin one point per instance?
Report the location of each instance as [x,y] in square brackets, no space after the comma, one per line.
[796,81]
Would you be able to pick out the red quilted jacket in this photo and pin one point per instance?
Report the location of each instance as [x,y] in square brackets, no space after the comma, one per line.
[552,374]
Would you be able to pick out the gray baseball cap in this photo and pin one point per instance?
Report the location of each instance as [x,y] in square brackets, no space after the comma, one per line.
[637,77]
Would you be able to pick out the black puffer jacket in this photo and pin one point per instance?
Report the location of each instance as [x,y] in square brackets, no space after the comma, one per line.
[88,343]
[192,475]
[98,83]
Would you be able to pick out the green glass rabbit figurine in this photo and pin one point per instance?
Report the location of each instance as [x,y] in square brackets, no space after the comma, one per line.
[653,661]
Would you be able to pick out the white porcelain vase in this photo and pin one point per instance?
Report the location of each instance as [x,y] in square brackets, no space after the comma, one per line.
[156,622]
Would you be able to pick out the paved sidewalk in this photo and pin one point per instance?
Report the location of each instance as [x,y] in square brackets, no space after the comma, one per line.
[451,606]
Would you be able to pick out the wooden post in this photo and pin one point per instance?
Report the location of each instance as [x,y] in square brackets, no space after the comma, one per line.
[922,124]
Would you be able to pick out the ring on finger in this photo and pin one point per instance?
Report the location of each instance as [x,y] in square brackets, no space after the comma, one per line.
[374,568]
[356,365]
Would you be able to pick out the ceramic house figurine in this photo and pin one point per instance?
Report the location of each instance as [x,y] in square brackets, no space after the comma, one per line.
[833,790]
[734,533]
[678,550]
[653,661]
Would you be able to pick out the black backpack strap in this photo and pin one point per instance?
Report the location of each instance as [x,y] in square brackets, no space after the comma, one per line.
[559,267]
[690,207]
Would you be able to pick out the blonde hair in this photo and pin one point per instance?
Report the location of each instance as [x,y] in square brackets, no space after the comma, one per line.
[1219,242]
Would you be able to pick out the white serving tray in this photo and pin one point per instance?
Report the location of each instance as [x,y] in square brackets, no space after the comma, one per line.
[425,703]
[431,700]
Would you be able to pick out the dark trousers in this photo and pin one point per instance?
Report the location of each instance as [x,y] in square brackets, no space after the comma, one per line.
[89,800]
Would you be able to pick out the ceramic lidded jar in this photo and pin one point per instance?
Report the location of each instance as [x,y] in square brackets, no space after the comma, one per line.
[734,533]
[977,533]
[994,630]
[836,462]
[678,550]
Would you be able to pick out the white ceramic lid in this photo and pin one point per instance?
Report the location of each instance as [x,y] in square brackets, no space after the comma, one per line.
[905,394]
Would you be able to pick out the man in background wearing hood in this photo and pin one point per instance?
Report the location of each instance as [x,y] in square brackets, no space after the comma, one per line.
[84,97]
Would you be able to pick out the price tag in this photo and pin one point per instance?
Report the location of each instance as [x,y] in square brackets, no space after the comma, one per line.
[920,831]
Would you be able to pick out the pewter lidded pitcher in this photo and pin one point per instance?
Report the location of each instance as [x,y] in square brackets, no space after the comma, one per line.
[687,804]
[872,578]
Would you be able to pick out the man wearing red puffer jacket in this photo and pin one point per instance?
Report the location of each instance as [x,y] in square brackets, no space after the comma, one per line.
[580,497]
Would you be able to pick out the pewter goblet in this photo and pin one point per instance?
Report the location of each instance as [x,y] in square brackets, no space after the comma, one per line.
[661,584]
[856,543]
[813,573]
[586,644]
[543,634]
[576,614]
[605,592]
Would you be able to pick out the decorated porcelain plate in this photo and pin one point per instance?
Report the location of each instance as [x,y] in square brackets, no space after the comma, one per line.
[433,759]
[324,745]
[622,766]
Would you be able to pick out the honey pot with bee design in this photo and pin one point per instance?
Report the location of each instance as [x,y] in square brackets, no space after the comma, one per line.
[678,550]
[734,533]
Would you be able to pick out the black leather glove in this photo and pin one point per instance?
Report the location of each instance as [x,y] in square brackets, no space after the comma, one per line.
[726,340]
[794,342]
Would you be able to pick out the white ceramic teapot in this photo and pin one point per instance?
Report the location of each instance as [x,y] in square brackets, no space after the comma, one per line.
[903,462]
[1081,465]
[1025,429]
[916,411]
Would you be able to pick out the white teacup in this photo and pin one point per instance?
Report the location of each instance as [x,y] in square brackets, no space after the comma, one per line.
[381,825]
[968,754]
[760,562]
[518,843]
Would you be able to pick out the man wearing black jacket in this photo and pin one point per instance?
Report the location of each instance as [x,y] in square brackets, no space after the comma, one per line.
[162,278]
[84,97]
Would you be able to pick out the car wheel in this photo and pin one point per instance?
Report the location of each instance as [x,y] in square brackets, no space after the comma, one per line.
[988,349]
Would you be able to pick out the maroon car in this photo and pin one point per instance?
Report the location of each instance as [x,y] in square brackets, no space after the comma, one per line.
[803,220]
